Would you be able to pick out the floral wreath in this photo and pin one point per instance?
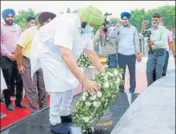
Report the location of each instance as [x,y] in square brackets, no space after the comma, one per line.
[90,108]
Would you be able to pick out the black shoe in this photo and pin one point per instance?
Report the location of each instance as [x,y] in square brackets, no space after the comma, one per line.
[121,91]
[60,129]
[21,105]
[66,119]
[2,100]
[10,108]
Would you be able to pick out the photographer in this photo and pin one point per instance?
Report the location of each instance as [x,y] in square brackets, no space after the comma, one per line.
[157,37]
[107,45]
[128,48]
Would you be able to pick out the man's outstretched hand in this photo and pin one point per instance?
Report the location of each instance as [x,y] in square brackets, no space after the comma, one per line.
[90,86]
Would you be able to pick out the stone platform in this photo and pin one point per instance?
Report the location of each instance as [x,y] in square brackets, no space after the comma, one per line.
[153,112]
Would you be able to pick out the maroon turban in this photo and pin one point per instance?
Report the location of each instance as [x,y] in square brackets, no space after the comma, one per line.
[44,16]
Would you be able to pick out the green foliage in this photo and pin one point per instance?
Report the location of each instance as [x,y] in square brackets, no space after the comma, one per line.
[20,19]
[136,17]
[168,12]
[84,61]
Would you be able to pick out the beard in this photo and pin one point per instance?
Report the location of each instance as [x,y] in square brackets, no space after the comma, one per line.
[9,22]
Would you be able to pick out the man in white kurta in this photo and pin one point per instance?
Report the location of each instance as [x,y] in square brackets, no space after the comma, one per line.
[56,48]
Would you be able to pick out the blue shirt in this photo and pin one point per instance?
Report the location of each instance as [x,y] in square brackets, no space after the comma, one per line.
[128,39]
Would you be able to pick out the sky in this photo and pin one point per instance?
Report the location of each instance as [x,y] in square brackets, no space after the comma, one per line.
[114,7]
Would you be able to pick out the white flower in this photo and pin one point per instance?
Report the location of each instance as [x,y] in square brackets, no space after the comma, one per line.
[99,94]
[118,80]
[120,75]
[105,77]
[99,84]
[93,97]
[106,85]
[88,104]
[103,74]
[86,119]
[96,104]
[116,72]
[84,98]
[106,104]
[110,74]
[85,94]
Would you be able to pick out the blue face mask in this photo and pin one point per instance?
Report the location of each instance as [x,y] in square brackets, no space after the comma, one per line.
[87,29]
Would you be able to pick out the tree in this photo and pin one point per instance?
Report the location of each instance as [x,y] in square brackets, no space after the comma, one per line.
[137,16]
[20,19]
[168,12]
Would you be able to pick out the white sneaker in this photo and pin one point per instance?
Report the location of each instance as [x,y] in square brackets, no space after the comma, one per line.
[3,115]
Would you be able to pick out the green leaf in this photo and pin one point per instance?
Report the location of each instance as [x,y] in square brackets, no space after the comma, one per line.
[20,19]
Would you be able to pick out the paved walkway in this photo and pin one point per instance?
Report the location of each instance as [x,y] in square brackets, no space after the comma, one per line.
[153,112]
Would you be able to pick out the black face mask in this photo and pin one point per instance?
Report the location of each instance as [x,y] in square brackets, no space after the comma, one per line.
[83,24]
[9,22]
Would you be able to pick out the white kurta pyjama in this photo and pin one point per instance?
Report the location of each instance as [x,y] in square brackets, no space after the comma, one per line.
[64,31]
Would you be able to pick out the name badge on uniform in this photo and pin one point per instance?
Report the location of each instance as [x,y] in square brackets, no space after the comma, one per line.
[13,29]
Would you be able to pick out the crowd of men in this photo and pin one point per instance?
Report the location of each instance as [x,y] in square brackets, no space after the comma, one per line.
[17,75]
[42,58]
[159,42]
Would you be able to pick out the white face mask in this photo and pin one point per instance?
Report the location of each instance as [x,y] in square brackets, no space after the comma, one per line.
[31,25]
[155,24]
[125,22]
[113,26]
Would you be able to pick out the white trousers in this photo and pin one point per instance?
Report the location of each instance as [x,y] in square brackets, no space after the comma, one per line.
[60,105]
